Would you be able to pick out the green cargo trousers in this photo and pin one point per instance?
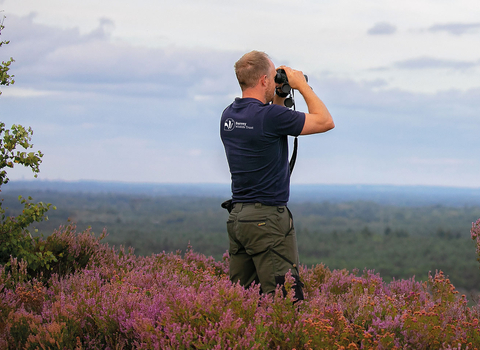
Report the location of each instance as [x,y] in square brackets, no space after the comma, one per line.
[263,246]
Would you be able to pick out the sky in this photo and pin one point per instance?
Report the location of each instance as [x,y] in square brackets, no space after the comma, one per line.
[133,91]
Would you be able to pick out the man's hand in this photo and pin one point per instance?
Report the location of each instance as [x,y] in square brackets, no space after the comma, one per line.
[296,79]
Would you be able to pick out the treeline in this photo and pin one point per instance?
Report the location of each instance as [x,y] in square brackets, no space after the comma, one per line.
[398,242]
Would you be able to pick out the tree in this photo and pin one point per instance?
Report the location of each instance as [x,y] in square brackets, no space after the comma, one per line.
[15,239]
[5,78]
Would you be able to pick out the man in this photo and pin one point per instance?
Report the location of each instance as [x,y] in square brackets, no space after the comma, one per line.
[263,246]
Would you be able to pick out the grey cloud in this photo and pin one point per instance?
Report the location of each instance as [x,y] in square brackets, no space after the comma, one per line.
[455,28]
[103,30]
[57,59]
[382,28]
[30,42]
[65,60]
[362,98]
[434,63]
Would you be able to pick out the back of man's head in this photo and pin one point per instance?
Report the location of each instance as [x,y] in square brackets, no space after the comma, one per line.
[251,67]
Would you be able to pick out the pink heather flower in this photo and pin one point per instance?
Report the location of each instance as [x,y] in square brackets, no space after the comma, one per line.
[475,231]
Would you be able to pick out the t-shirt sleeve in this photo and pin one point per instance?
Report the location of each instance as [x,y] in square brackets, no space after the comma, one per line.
[283,121]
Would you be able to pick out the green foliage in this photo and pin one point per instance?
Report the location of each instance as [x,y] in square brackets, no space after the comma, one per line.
[15,239]
[72,251]
[5,77]
[64,252]
[17,136]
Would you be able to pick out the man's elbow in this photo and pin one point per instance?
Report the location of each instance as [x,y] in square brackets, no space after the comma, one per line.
[317,123]
[330,125]
[325,127]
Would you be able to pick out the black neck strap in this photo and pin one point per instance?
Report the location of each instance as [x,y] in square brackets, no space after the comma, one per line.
[294,154]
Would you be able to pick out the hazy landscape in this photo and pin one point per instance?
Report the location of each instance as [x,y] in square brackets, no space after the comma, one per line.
[397,231]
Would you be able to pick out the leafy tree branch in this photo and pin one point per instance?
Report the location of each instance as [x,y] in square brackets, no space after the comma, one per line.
[15,149]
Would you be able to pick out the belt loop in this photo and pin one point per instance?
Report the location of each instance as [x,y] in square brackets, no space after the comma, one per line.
[258,205]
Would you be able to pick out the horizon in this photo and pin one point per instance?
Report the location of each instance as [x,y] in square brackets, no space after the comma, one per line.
[79,181]
[399,195]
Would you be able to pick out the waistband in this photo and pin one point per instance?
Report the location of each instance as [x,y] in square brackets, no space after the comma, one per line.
[257,205]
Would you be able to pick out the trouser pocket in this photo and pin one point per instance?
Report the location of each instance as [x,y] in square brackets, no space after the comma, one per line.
[257,234]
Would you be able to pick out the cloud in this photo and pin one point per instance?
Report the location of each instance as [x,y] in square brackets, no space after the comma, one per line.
[435,63]
[64,59]
[94,67]
[455,28]
[14,91]
[382,28]
[32,42]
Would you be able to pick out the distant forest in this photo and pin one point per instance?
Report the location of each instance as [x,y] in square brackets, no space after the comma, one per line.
[397,241]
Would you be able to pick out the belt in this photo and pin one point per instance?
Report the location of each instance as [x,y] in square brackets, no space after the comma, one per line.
[257,205]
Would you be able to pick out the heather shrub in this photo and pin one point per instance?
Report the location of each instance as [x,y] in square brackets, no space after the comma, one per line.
[475,233]
[72,250]
[118,300]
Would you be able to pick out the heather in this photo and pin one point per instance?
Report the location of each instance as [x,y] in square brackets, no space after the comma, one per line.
[119,300]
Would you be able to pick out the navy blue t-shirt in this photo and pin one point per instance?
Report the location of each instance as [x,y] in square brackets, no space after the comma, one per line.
[255,139]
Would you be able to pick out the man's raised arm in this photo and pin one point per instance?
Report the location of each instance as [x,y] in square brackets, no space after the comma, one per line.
[318,118]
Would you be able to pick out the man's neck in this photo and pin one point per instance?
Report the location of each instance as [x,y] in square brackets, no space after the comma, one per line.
[253,93]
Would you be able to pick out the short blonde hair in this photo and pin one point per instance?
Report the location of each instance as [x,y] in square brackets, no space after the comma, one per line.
[251,67]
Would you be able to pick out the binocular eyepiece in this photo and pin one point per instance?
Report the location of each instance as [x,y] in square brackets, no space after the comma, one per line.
[285,88]
[281,77]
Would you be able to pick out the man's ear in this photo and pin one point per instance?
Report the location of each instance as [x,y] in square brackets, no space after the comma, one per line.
[264,80]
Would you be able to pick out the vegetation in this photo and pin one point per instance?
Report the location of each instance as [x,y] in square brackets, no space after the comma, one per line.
[398,242]
[170,301]
[5,77]
[15,239]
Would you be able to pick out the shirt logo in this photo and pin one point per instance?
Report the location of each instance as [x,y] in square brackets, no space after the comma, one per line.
[229,124]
